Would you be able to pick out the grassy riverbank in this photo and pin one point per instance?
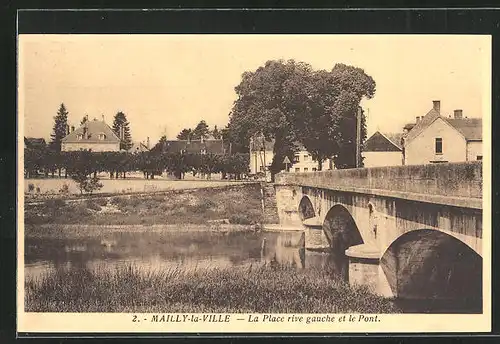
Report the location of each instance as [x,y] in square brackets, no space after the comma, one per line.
[238,204]
[257,289]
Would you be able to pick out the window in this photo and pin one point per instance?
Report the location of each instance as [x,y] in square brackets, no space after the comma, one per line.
[296,158]
[102,136]
[306,169]
[306,157]
[297,169]
[439,145]
[479,157]
[314,169]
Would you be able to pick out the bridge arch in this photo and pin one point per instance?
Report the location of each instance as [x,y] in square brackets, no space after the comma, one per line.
[341,232]
[306,208]
[428,264]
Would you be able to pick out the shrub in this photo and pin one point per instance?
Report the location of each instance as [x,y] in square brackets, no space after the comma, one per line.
[64,189]
[240,219]
[55,203]
[101,201]
[85,183]
[91,204]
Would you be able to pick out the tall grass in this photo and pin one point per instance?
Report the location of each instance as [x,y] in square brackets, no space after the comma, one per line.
[258,289]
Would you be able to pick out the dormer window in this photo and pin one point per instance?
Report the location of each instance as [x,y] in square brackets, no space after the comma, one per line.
[102,136]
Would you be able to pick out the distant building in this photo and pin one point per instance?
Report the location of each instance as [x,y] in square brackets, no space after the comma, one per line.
[438,139]
[95,136]
[262,154]
[202,146]
[139,147]
[383,149]
[34,143]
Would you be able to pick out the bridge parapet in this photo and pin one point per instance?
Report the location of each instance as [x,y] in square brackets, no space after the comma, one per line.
[455,184]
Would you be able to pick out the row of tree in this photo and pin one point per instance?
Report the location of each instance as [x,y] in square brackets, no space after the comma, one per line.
[292,104]
[60,129]
[118,163]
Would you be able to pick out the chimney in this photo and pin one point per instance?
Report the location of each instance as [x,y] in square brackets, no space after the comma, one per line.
[417,119]
[147,143]
[458,114]
[102,117]
[436,105]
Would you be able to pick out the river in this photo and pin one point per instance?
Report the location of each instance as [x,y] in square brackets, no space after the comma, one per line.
[196,250]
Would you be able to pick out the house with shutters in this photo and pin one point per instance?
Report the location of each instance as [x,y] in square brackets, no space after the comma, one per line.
[262,154]
[383,149]
[437,138]
[95,136]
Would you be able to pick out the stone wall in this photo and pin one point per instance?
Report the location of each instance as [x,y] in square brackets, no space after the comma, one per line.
[459,180]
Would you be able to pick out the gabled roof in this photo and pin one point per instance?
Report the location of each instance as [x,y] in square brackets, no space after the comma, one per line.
[93,129]
[33,142]
[422,124]
[383,142]
[471,128]
[138,147]
[194,146]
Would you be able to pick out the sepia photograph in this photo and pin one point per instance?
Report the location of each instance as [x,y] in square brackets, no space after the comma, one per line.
[248,182]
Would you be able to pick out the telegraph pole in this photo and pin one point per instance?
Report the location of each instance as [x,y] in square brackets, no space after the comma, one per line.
[358,137]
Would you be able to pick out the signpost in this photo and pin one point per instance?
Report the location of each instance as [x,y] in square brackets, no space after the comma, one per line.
[286,161]
[358,138]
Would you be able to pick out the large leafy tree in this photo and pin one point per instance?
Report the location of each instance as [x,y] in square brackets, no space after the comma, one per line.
[262,109]
[120,121]
[324,112]
[291,103]
[59,129]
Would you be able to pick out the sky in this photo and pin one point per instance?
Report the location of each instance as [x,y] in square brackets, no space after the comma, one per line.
[164,83]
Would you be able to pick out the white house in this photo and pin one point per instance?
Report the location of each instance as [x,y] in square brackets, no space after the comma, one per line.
[261,157]
[383,149]
[437,139]
[95,136]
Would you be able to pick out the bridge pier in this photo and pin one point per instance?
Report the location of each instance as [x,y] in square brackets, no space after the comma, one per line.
[365,269]
[314,235]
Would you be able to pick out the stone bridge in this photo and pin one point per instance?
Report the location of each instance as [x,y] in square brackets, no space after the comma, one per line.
[405,231]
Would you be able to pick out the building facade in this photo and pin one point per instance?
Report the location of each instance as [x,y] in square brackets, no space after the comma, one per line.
[383,149]
[262,154]
[95,136]
[438,139]
[202,146]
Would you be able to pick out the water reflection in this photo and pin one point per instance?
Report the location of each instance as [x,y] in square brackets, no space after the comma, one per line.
[161,251]
[164,250]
